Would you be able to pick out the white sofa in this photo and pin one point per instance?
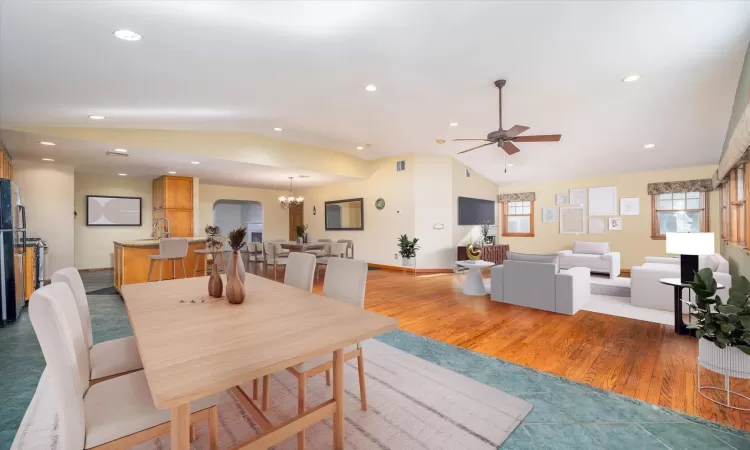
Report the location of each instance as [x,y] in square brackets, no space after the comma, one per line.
[594,255]
[647,292]
[540,285]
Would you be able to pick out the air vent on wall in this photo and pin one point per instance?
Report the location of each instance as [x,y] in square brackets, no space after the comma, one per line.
[400,166]
[111,153]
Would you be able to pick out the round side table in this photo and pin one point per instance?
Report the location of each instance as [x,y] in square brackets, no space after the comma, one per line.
[474,284]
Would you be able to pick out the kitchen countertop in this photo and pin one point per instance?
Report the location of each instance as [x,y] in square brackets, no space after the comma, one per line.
[153,242]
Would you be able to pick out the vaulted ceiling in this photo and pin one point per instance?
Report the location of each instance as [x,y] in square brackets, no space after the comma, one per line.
[303,67]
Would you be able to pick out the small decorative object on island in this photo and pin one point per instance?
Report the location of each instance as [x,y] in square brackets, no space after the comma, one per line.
[214,245]
[301,230]
[407,250]
[723,332]
[474,255]
[235,287]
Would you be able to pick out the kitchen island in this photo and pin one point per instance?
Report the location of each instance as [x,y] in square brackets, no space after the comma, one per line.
[132,262]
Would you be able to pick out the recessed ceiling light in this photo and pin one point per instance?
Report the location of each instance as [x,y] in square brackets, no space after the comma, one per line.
[48,159]
[649,146]
[97,117]
[454,124]
[127,35]
[278,129]
[47,143]
[171,172]
[195,162]
[121,150]
[371,88]
[359,147]
[509,165]
[122,174]
[631,78]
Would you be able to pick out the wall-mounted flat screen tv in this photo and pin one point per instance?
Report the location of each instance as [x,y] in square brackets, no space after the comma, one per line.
[475,211]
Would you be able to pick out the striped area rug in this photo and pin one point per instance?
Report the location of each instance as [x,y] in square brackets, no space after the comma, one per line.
[412,404]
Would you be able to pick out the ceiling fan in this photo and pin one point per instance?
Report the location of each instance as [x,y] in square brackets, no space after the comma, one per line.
[505,138]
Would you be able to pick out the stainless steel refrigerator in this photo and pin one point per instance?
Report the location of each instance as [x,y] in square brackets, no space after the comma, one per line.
[12,250]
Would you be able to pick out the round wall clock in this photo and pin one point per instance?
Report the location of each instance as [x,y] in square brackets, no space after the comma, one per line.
[380,203]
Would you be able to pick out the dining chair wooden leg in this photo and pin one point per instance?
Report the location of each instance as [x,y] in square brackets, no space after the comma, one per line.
[266,392]
[192,433]
[213,428]
[160,265]
[223,264]
[328,377]
[362,389]
[301,405]
[182,264]
[197,260]
[150,269]
[180,427]
[338,395]
[274,271]
[255,389]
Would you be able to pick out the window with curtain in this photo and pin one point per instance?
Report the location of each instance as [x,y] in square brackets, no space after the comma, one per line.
[678,212]
[518,218]
[725,207]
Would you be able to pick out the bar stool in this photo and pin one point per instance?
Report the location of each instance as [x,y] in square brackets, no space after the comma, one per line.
[170,249]
[204,252]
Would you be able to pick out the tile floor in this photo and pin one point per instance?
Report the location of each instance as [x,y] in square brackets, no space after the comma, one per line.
[566,415]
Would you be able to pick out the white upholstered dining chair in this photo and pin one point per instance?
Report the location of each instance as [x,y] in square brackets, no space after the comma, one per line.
[300,271]
[336,250]
[273,257]
[114,414]
[349,247]
[109,358]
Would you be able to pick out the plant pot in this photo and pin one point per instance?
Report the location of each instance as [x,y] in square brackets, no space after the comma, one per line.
[727,361]
[235,287]
[408,262]
[215,284]
[240,267]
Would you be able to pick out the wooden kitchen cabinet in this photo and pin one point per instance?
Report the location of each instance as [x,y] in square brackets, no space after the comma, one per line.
[173,199]
[6,165]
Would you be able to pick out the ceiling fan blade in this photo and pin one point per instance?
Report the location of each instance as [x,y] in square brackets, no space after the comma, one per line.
[515,131]
[510,148]
[474,148]
[472,140]
[540,138]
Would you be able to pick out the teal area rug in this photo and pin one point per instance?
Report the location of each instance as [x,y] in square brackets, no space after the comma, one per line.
[566,415]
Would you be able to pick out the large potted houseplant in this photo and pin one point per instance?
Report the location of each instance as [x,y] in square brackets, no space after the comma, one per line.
[301,230]
[722,329]
[407,250]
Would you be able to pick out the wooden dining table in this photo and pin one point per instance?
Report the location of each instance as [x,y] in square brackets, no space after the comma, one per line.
[295,247]
[193,346]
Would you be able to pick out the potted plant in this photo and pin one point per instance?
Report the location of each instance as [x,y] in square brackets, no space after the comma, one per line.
[214,245]
[722,328]
[407,250]
[301,230]
[235,286]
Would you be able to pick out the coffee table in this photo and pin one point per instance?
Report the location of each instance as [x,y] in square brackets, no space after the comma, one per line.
[474,284]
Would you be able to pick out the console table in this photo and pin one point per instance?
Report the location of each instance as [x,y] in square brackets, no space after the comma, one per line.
[493,253]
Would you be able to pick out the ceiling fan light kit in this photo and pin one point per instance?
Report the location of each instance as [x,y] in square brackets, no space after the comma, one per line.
[506,139]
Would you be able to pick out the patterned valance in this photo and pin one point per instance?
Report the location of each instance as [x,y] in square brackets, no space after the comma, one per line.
[705,185]
[517,197]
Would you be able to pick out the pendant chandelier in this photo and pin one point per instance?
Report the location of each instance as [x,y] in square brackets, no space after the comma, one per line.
[288,202]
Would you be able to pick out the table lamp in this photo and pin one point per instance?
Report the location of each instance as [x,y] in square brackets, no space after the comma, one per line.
[689,246]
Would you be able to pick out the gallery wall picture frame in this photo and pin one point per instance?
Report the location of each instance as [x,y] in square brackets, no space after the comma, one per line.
[577,197]
[550,215]
[630,206]
[615,223]
[572,220]
[111,211]
[561,199]
[603,201]
[597,225]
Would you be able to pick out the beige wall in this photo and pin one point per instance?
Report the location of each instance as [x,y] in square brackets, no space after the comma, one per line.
[433,200]
[47,191]
[634,241]
[377,243]
[93,245]
[275,219]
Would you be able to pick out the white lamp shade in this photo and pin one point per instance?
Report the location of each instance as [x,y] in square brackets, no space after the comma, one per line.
[690,243]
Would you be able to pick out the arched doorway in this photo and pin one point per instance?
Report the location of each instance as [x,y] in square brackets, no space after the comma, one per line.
[231,214]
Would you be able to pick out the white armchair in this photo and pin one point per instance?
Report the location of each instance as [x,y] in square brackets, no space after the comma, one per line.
[594,255]
[647,292]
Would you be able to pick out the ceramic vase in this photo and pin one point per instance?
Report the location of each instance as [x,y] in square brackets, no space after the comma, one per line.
[300,240]
[235,287]
[215,285]
[240,267]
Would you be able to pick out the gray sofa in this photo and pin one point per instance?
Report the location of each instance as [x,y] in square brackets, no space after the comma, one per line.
[540,285]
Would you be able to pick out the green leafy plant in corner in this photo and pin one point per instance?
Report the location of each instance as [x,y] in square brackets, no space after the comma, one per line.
[301,230]
[236,238]
[407,248]
[726,324]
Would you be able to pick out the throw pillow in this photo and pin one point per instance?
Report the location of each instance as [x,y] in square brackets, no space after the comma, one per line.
[525,257]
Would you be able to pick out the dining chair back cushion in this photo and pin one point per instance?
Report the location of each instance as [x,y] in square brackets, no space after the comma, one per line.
[345,281]
[326,246]
[51,310]
[349,247]
[300,270]
[269,250]
[72,278]
[173,247]
[338,249]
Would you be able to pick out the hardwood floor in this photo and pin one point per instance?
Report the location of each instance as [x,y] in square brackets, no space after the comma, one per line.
[639,359]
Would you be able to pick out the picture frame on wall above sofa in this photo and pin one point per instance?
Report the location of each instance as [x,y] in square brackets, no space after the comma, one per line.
[550,215]
[572,220]
[110,211]
[597,225]
[577,197]
[603,201]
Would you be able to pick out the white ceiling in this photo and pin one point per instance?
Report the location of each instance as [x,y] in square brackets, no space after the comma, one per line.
[252,66]
[91,157]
